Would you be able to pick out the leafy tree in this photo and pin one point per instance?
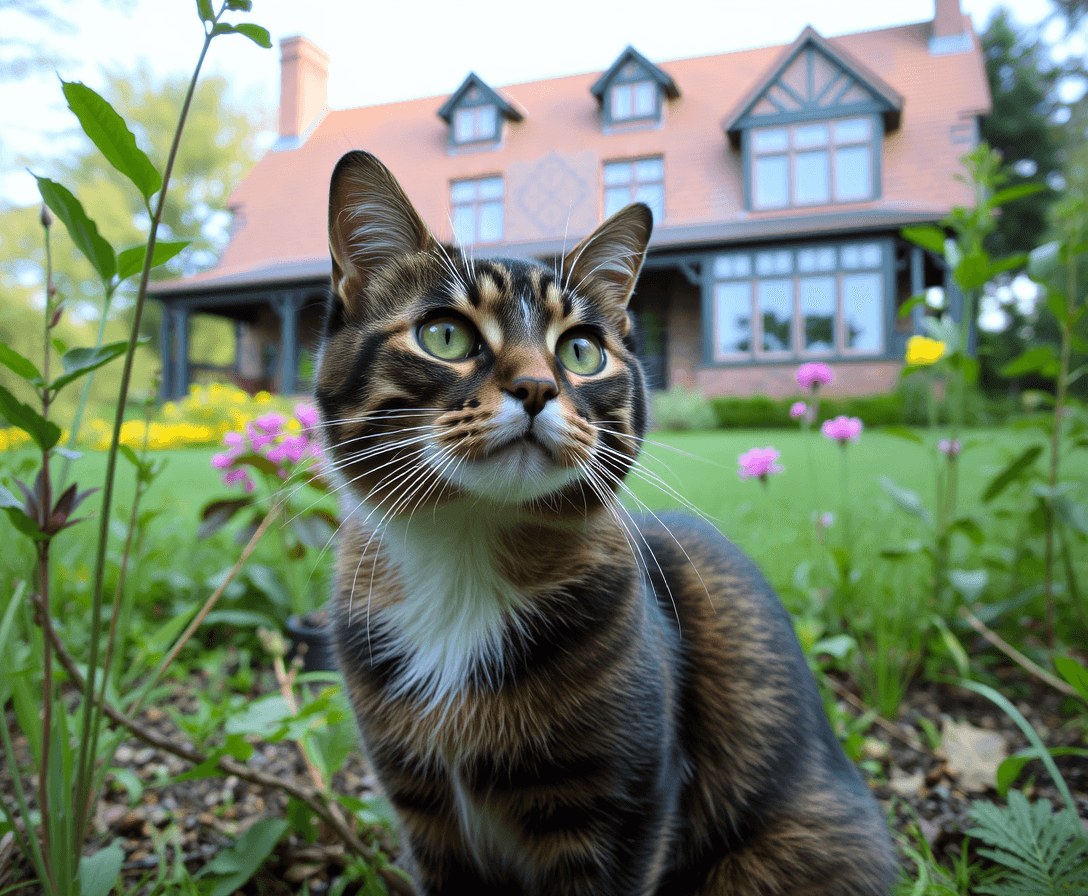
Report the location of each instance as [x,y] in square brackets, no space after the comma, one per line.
[1023,82]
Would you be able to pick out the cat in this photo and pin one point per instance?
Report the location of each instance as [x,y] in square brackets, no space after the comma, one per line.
[556,696]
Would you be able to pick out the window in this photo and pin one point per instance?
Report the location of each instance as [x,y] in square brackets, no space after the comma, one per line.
[629,102]
[635,180]
[809,302]
[812,163]
[474,124]
[476,208]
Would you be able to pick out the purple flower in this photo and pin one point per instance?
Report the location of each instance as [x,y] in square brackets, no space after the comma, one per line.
[277,453]
[236,475]
[296,448]
[950,448]
[842,429]
[759,463]
[222,461]
[306,415]
[826,520]
[234,439]
[814,374]
[257,438]
[798,410]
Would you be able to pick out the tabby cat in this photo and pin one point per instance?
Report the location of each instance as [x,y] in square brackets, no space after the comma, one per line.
[556,696]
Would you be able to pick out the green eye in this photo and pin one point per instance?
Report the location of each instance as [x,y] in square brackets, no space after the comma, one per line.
[448,338]
[581,353]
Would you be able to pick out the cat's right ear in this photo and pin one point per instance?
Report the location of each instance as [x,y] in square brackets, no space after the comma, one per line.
[371,223]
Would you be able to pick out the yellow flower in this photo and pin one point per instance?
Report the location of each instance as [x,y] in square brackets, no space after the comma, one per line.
[923,351]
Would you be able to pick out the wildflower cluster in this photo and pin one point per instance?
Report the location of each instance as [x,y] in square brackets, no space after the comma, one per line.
[286,442]
[759,463]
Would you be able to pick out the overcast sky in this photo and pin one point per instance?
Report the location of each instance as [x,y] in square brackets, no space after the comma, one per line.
[386,50]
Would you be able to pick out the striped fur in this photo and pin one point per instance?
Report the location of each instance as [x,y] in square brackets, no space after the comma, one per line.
[557,697]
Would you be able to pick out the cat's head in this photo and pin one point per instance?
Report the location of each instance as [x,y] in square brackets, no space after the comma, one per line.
[501,381]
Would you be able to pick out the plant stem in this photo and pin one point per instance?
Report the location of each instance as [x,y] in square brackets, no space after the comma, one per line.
[89,738]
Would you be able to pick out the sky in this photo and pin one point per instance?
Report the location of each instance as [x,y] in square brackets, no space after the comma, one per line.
[387,50]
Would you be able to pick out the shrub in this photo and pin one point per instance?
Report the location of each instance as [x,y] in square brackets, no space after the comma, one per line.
[757,412]
[679,408]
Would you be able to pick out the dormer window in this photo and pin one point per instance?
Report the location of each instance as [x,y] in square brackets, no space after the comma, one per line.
[811,131]
[475,114]
[633,91]
[474,124]
[628,102]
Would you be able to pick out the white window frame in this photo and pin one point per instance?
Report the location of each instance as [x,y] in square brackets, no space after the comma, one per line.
[472,203]
[631,179]
[475,124]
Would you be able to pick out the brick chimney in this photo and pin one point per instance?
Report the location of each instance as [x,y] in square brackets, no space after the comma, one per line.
[949,33]
[304,87]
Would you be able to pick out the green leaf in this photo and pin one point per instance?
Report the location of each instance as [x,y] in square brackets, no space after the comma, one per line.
[100,871]
[239,5]
[83,231]
[20,365]
[45,433]
[1011,473]
[1010,768]
[216,514]
[901,432]
[969,582]
[1072,513]
[130,781]
[952,644]
[111,135]
[1034,359]
[204,9]
[131,261]
[78,362]
[973,271]
[906,499]
[927,236]
[13,507]
[255,33]
[970,528]
[1073,672]
[238,863]
[909,305]
[1055,301]
[1011,194]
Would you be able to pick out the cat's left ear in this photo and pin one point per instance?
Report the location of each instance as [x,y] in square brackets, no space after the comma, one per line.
[371,223]
[612,256]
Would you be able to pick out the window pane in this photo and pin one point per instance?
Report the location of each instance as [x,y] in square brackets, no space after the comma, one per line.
[862,312]
[733,304]
[853,173]
[770,140]
[617,173]
[462,125]
[463,191]
[861,255]
[775,299]
[490,188]
[779,261]
[853,130]
[490,222]
[649,169]
[485,122]
[812,181]
[615,198]
[464,224]
[817,297]
[654,196]
[821,258]
[644,99]
[621,101]
[810,135]
[771,187]
[737,264]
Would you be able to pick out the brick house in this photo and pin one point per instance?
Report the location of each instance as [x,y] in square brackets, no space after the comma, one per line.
[779,179]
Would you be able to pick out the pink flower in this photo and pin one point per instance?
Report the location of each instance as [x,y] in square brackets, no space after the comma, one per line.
[222,461]
[296,448]
[271,423]
[759,463]
[813,374]
[842,429]
[234,439]
[277,453]
[306,415]
[237,475]
[826,520]
[951,448]
[258,438]
[798,409]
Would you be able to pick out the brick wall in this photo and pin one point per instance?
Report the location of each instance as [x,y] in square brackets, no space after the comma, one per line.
[778,380]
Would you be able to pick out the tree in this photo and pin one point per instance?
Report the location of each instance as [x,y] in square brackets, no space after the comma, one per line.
[1023,82]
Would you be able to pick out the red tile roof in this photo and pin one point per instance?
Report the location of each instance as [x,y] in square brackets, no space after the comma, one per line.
[280,208]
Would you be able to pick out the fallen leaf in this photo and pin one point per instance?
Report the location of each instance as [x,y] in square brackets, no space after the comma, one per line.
[905,785]
[973,754]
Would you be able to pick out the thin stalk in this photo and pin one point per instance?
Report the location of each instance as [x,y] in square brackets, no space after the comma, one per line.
[89,738]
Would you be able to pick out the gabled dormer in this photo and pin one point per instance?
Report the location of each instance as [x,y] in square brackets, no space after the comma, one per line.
[811,130]
[475,114]
[633,91]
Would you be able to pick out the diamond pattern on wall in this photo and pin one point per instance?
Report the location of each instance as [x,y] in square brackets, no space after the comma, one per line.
[551,194]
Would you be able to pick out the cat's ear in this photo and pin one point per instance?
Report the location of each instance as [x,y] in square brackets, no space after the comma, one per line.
[612,255]
[371,223]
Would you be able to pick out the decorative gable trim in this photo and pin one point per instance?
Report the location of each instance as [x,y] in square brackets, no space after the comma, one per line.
[474,92]
[814,80]
[619,72]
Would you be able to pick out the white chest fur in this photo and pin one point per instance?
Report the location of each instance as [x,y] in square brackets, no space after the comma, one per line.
[456,605]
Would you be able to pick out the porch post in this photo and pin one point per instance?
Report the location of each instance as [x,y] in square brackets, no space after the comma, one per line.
[287,307]
[166,353]
[917,285]
[181,353]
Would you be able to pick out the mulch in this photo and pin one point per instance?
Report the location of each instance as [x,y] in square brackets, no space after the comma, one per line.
[918,784]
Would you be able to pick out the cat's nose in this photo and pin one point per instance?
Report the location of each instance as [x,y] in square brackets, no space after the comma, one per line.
[533,393]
